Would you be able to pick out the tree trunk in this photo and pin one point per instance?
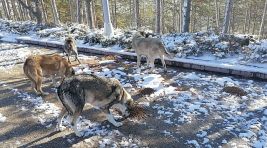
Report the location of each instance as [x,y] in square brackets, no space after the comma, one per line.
[115,14]
[174,18]
[55,13]
[136,19]
[131,13]
[1,12]
[163,30]
[108,29]
[186,15]
[254,20]
[208,24]
[15,11]
[262,20]
[26,11]
[21,12]
[217,14]
[90,19]
[227,15]
[246,19]
[44,12]
[6,11]
[233,19]
[12,16]
[83,12]
[181,15]
[37,13]
[1,15]
[158,26]
[78,11]
[194,18]
[70,3]
[28,3]
[249,19]
[94,14]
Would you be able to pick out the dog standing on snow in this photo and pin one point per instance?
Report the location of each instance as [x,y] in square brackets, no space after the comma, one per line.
[102,93]
[70,47]
[151,48]
[38,66]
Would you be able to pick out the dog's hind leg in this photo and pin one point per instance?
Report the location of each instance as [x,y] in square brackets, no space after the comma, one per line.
[34,87]
[111,119]
[76,57]
[68,56]
[38,85]
[152,65]
[60,118]
[138,61]
[75,122]
[163,63]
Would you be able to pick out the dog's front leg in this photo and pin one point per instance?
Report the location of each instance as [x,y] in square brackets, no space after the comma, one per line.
[111,119]
[59,126]
[74,123]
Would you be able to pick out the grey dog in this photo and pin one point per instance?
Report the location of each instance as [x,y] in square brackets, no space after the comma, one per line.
[101,92]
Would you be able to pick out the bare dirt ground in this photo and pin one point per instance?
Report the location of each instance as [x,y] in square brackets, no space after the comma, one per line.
[23,128]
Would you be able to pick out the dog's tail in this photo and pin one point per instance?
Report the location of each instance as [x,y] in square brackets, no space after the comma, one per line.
[26,71]
[60,93]
[71,97]
[164,49]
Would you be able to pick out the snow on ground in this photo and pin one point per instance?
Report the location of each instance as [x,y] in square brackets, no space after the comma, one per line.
[11,54]
[242,117]
[2,118]
[182,99]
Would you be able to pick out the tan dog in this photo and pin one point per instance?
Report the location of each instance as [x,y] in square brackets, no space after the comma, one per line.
[35,67]
[151,48]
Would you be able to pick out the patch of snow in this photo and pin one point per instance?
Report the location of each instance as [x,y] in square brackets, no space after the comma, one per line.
[2,118]
[193,142]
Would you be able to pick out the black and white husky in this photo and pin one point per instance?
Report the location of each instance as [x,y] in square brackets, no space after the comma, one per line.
[103,93]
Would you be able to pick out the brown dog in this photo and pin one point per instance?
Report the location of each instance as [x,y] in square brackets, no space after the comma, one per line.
[37,66]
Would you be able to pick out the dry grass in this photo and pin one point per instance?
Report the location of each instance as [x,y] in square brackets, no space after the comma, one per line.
[182,88]
[109,57]
[234,90]
[146,91]
[137,112]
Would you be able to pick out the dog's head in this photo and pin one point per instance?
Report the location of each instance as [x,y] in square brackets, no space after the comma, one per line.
[69,40]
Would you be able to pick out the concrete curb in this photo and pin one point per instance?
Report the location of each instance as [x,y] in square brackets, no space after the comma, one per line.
[170,62]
